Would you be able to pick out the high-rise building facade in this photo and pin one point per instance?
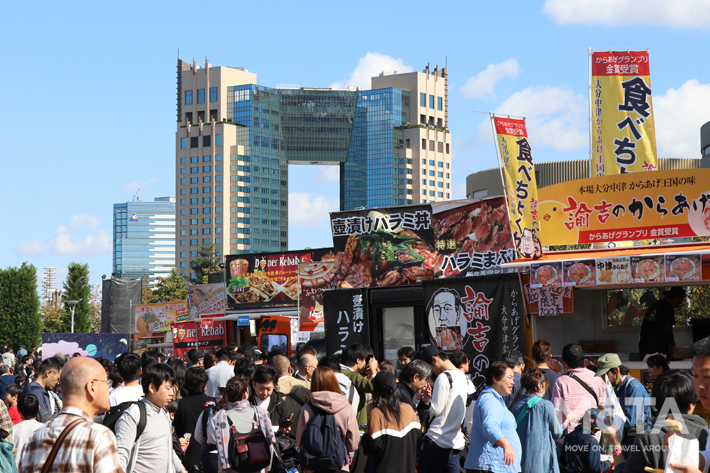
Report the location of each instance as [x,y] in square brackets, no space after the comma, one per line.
[235,140]
[144,239]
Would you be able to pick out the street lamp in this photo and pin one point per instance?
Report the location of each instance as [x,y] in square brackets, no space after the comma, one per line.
[73,308]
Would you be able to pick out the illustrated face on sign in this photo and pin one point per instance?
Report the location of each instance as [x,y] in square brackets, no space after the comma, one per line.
[446,310]
[529,246]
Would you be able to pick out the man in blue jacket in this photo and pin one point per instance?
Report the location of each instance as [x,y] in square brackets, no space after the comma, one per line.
[47,378]
[633,397]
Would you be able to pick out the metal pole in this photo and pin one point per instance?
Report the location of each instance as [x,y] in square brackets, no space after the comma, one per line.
[72,317]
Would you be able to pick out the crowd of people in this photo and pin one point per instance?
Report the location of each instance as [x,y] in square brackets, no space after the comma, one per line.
[237,409]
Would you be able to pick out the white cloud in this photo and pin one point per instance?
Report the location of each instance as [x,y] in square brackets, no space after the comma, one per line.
[678,119]
[327,174]
[484,83]
[310,211]
[677,13]
[95,240]
[370,66]
[134,186]
[555,117]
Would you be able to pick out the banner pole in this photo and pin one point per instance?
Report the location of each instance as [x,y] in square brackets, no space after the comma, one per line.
[500,161]
[591,117]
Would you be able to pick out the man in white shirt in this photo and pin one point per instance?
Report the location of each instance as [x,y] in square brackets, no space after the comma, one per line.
[129,367]
[219,374]
[28,407]
[444,440]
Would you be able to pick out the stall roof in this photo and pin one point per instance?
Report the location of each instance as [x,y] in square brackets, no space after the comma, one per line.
[650,250]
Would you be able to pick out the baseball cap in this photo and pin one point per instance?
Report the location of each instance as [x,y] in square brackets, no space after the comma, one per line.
[382,381]
[428,352]
[607,362]
[595,417]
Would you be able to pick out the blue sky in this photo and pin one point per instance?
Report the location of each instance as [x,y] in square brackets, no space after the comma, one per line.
[89,98]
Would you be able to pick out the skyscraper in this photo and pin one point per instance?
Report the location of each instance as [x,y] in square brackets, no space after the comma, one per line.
[235,140]
[144,238]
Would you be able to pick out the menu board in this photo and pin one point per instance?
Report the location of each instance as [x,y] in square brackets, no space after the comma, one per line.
[647,269]
[314,277]
[615,270]
[264,279]
[684,268]
[579,273]
[204,300]
[546,274]
[158,317]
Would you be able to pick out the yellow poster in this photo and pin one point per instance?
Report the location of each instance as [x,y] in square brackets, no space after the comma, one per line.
[663,204]
[521,187]
[623,132]
[159,317]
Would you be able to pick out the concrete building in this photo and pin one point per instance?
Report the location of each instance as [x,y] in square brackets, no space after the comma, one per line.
[144,238]
[235,141]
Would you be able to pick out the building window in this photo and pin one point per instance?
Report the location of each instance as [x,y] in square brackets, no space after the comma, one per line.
[447,176]
[218,140]
[206,220]
[183,212]
[431,193]
[183,160]
[206,200]
[218,157]
[183,181]
[447,148]
[431,183]
[440,174]
[206,190]
[213,94]
[183,222]
[182,243]
[205,241]
[200,95]
[441,194]
[194,190]
[440,147]
[182,264]
[194,159]
[448,196]
[194,141]
[424,143]
[423,172]
[183,201]
[193,231]
[439,103]
[206,210]
[183,170]
[194,170]
[423,182]
[188,97]
[431,147]
[424,161]
[423,193]
[206,168]
[422,99]
[447,165]
[440,184]
[431,102]
[218,199]
[408,143]
[193,200]
[182,254]
[193,242]
[206,159]
[194,211]
[480,194]
[183,143]
[207,179]
[218,167]
[431,173]
[193,221]
[218,230]
[440,164]
[183,232]
[207,140]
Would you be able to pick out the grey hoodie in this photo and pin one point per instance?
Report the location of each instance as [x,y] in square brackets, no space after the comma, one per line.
[647,449]
[338,405]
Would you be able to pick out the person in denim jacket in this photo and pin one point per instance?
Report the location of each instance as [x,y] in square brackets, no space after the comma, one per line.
[581,452]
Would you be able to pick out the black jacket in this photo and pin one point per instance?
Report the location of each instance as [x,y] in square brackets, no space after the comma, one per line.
[408,396]
[189,410]
[581,453]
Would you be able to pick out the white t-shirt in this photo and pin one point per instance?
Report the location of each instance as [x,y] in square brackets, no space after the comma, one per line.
[264,404]
[125,394]
[448,408]
[20,434]
[218,376]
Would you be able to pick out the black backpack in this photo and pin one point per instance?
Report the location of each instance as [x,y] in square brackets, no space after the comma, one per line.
[117,411]
[248,452]
[322,447]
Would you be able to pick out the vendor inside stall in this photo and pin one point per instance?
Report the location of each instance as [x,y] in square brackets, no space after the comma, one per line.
[658,321]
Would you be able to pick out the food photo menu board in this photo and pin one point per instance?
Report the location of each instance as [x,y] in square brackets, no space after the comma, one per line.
[546,274]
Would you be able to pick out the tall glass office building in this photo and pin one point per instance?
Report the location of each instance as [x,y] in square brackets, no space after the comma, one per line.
[144,239]
[236,139]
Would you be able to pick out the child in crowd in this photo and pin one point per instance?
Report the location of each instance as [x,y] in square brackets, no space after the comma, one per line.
[12,393]
[581,452]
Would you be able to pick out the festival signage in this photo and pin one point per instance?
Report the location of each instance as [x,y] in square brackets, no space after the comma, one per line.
[520,184]
[189,335]
[648,269]
[473,238]
[158,317]
[623,132]
[383,247]
[269,279]
[314,277]
[483,316]
[614,270]
[547,301]
[346,319]
[546,274]
[204,300]
[664,204]
[680,268]
[579,273]
[94,345]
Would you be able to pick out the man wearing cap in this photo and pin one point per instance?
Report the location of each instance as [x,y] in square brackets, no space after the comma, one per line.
[657,326]
[633,397]
[444,440]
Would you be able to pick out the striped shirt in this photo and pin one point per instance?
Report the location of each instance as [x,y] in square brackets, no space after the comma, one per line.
[90,447]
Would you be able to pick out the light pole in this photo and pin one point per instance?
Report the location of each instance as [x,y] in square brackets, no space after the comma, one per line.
[72,307]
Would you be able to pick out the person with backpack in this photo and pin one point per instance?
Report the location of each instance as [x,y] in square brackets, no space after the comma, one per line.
[189,409]
[327,428]
[537,425]
[144,430]
[129,367]
[495,446]
[393,429]
[242,432]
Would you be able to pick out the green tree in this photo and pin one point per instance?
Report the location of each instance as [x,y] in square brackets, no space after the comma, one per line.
[146,292]
[20,321]
[95,304]
[207,261]
[77,288]
[169,289]
[53,319]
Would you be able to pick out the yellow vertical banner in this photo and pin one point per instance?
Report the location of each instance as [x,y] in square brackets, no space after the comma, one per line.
[520,184]
[623,131]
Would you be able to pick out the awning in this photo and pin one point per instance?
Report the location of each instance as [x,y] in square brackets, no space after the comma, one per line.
[160,345]
[256,314]
[651,250]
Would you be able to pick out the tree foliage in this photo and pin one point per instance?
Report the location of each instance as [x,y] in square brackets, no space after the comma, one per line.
[77,288]
[20,321]
[53,319]
[95,304]
[207,261]
[169,289]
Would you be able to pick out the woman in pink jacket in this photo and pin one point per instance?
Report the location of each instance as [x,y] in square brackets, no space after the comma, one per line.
[326,396]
